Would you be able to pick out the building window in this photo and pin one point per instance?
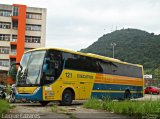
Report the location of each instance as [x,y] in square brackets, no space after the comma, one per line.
[4,37]
[12,60]
[5,13]
[4,63]
[4,50]
[33,16]
[14,38]
[5,25]
[13,51]
[15,25]
[32,39]
[32,27]
[15,11]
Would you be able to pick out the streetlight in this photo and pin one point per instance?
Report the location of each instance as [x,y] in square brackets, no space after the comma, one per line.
[113,45]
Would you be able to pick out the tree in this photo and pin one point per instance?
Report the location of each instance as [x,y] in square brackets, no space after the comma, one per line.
[133,45]
[157,73]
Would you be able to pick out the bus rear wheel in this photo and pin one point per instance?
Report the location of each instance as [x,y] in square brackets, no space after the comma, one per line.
[67,97]
[43,103]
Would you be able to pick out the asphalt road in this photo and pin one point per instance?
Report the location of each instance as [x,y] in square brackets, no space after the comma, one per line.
[150,97]
[76,111]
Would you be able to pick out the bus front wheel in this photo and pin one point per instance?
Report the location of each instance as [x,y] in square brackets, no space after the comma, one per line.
[43,103]
[67,97]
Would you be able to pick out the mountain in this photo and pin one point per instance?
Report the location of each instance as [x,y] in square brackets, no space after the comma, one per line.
[132,45]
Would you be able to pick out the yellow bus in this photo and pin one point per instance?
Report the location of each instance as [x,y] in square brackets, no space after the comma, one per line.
[54,74]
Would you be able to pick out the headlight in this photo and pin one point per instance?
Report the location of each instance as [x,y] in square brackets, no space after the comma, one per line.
[36,90]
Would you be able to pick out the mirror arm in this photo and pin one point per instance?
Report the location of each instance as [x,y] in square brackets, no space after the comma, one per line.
[17,63]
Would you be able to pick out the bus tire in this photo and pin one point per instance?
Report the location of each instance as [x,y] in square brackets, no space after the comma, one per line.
[127,94]
[43,103]
[67,97]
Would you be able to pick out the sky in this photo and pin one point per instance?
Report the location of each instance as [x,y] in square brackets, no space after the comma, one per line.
[76,24]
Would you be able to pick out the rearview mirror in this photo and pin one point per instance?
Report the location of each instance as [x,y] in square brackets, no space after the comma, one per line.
[13,70]
[45,68]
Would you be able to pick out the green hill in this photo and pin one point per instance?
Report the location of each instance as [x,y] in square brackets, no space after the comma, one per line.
[132,45]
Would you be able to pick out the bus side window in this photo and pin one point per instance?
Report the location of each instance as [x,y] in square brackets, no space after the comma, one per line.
[106,67]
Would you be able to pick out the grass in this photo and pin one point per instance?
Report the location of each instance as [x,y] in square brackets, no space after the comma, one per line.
[4,107]
[128,107]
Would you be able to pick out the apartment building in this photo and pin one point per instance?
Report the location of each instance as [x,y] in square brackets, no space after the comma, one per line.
[21,28]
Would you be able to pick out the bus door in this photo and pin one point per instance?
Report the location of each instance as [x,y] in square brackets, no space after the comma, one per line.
[85,85]
[82,90]
[52,69]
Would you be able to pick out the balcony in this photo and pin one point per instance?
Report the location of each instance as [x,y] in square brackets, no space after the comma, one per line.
[13,42]
[13,54]
[4,43]
[4,68]
[4,56]
[4,63]
[15,18]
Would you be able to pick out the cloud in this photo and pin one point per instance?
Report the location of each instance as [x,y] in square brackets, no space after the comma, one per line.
[75,24]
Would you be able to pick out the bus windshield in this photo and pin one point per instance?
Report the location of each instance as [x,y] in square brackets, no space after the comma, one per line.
[30,68]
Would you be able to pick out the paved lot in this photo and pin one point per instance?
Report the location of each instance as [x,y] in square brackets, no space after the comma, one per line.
[53,110]
[150,97]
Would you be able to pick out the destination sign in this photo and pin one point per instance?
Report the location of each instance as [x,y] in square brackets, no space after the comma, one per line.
[84,76]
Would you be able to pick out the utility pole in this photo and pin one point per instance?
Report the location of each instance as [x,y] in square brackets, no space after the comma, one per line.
[113,45]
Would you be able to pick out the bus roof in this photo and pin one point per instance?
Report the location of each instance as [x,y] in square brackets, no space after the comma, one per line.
[87,54]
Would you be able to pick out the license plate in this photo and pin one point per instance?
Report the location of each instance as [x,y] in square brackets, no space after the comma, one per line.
[23,99]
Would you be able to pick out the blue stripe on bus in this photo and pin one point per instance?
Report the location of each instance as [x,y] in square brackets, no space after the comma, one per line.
[118,87]
[103,95]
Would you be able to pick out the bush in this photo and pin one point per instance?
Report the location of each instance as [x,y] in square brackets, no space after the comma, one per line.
[4,106]
[93,103]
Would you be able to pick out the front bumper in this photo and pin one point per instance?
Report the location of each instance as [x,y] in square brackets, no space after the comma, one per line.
[36,96]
